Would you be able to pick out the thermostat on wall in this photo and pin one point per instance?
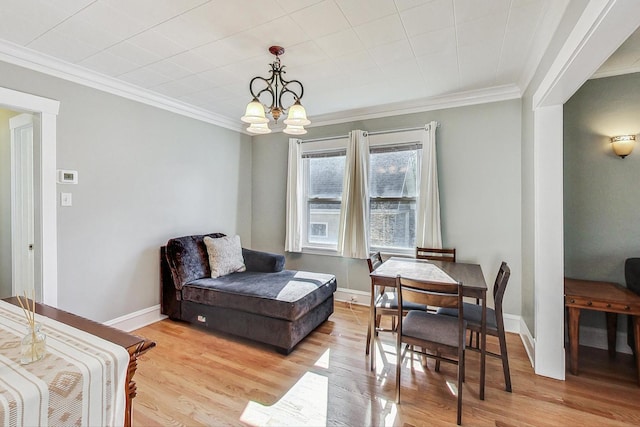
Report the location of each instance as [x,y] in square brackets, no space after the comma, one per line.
[67,177]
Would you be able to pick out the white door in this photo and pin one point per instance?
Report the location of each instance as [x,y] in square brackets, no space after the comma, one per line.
[22,210]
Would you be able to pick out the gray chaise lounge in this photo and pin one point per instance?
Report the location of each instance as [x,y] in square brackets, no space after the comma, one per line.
[265,303]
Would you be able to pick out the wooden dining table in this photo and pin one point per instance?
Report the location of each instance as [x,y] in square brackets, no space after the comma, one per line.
[470,275]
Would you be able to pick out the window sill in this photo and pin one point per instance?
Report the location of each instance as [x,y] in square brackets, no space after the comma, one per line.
[387,252]
[332,252]
[320,251]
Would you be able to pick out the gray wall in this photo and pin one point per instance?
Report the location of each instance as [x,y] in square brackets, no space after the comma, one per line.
[571,16]
[145,175]
[602,191]
[5,202]
[479,171]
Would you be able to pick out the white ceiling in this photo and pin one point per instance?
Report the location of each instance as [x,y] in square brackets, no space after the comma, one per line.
[353,56]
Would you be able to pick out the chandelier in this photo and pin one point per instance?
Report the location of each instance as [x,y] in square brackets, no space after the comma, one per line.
[276,89]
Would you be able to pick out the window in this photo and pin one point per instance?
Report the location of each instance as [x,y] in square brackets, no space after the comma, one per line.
[323,171]
[393,183]
[395,218]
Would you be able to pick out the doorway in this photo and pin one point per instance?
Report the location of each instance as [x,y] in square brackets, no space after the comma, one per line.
[601,29]
[44,112]
[22,207]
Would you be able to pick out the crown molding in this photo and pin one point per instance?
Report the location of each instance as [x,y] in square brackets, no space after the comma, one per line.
[602,27]
[36,61]
[617,72]
[459,99]
[551,19]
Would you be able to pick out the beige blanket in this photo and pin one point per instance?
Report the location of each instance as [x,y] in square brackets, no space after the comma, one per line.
[79,382]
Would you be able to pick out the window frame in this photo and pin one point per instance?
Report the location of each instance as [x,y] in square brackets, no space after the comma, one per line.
[390,139]
[335,145]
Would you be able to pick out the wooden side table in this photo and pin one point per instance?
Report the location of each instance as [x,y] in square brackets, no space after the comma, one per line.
[610,298]
[135,346]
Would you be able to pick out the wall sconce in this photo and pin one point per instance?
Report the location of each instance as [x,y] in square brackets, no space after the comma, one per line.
[623,145]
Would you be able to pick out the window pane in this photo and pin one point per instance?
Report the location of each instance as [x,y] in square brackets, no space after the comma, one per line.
[323,223]
[325,176]
[393,174]
[393,224]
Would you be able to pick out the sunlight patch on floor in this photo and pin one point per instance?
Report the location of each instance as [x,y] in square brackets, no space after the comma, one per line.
[305,404]
[323,361]
[385,362]
[453,388]
[389,413]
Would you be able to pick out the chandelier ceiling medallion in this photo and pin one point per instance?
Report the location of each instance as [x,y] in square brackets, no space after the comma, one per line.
[275,89]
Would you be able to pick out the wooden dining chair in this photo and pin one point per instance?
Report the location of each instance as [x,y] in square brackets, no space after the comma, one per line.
[435,254]
[374,261]
[384,302]
[438,336]
[495,321]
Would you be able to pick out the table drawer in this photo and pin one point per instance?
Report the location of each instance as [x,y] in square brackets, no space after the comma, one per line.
[598,305]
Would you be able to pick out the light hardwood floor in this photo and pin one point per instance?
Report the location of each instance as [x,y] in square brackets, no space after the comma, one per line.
[195,377]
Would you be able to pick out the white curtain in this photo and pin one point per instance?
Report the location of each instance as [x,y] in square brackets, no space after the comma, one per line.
[353,237]
[293,233]
[429,234]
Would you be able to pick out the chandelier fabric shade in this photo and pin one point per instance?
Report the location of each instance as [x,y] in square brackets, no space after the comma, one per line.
[277,91]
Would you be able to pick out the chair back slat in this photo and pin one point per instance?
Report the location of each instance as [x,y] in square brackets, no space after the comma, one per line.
[500,285]
[436,254]
[374,261]
[433,294]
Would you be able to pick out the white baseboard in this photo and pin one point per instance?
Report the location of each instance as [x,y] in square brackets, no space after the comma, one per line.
[589,337]
[352,295]
[528,341]
[597,338]
[138,319]
[512,323]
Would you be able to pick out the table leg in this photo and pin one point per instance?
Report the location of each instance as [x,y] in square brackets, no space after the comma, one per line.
[372,327]
[130,386]
[574,325]
[636,334]
[612,327]
[483,345]
[130,390]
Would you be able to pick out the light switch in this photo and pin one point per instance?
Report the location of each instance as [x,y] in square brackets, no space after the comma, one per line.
[65,199]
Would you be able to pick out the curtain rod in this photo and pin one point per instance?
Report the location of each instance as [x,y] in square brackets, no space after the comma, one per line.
[326,138]
[380,132]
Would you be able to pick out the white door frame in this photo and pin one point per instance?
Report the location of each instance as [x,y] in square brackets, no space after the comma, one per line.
[602,28]
[22,206]
[46,229]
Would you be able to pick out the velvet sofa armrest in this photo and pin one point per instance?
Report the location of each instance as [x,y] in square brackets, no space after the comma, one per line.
[263,262]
